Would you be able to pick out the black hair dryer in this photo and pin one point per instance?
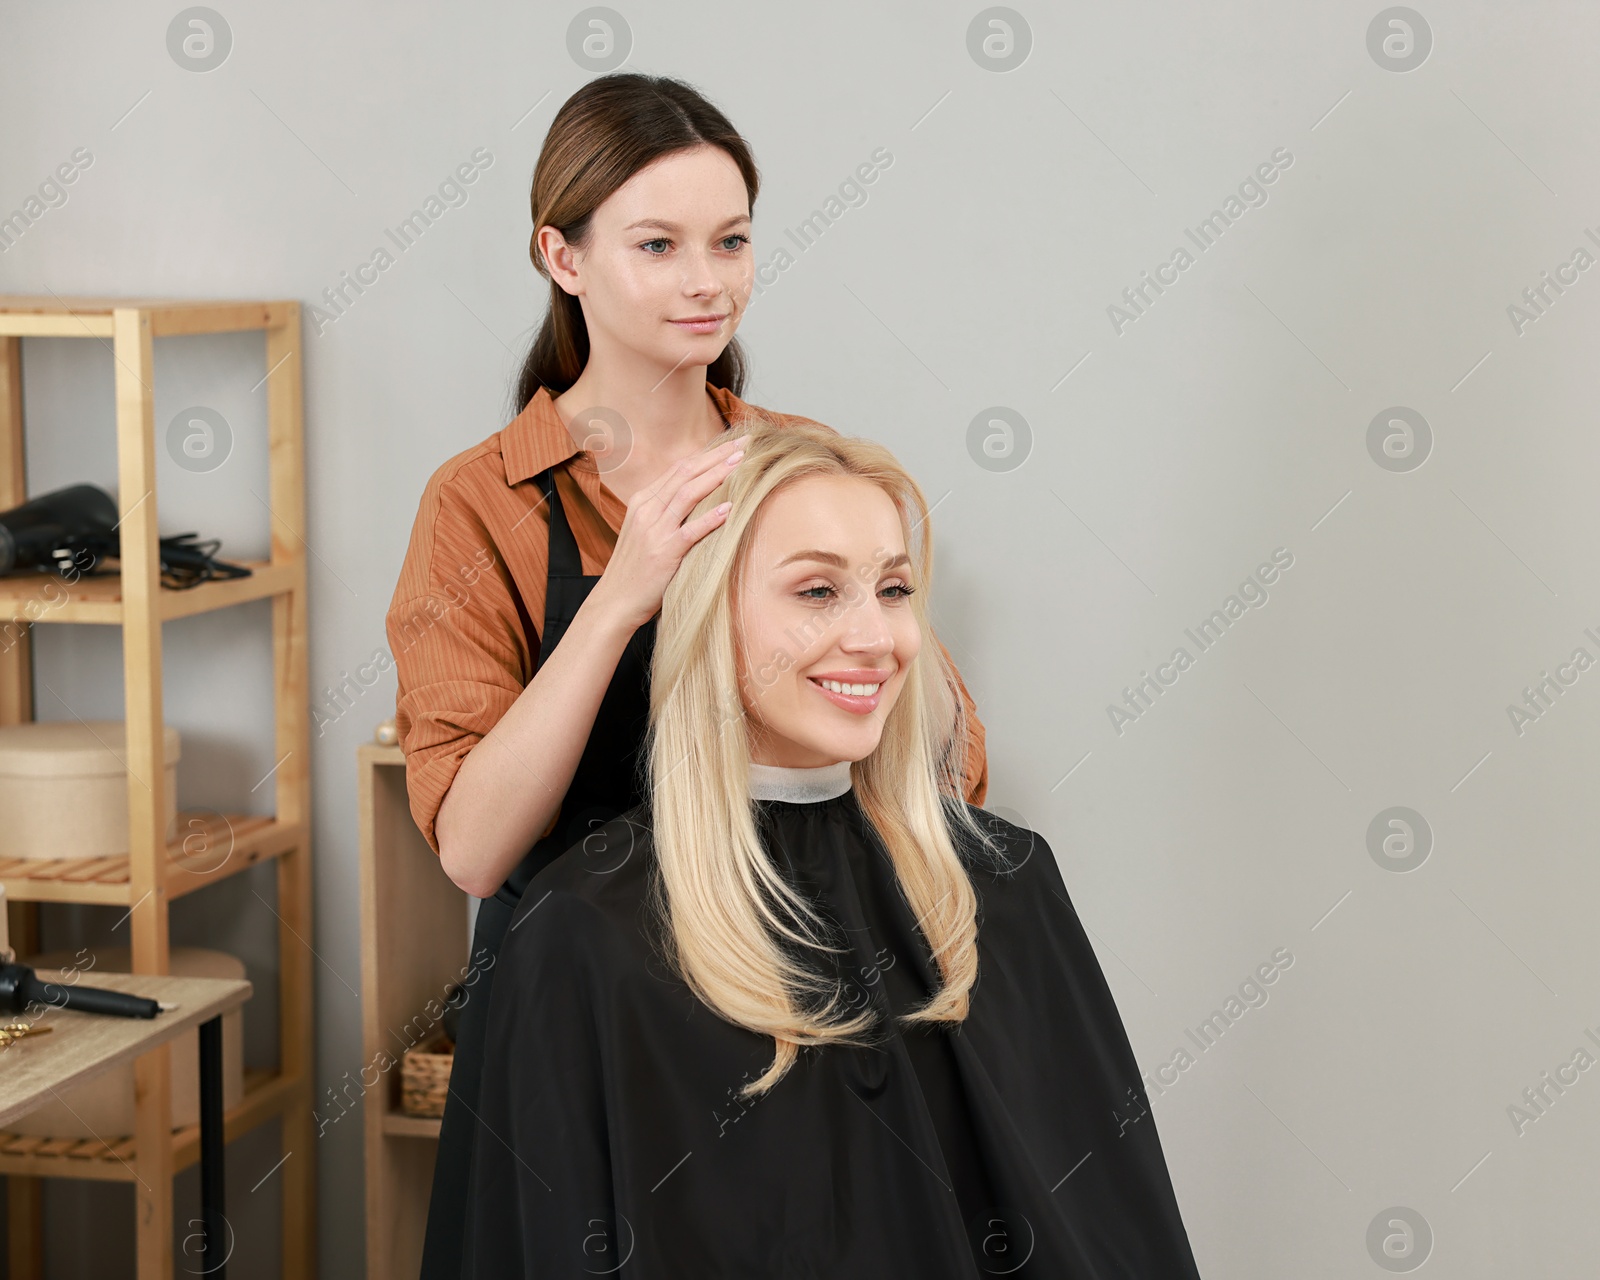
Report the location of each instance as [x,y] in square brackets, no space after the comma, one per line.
[21,988]
[45,530]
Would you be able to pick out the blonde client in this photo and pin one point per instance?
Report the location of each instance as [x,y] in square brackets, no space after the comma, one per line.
[805,1011]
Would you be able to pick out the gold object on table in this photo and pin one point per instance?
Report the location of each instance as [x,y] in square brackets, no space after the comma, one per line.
[14,1031]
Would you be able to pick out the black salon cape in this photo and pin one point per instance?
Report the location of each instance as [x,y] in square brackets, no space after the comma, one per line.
[613,1141]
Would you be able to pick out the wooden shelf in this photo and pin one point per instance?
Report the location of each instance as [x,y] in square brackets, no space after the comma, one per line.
[210,847]
[38,597]
[157,870]
[397,1124]
[35,317]
[115,1159]
[414,944]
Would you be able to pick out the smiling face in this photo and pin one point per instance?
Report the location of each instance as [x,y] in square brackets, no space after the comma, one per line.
[823,608]
[671,246]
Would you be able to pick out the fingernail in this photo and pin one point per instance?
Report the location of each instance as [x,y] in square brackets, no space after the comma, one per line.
[735,456]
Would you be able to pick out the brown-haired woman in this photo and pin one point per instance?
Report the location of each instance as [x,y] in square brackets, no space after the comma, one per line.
[569,523]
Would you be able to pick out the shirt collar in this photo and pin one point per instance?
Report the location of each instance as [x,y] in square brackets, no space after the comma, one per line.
[537,438]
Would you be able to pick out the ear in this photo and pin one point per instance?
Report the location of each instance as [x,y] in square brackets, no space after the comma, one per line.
[560,259]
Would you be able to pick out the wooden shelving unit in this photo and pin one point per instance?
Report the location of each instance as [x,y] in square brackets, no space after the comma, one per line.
[154,872]
[414,944]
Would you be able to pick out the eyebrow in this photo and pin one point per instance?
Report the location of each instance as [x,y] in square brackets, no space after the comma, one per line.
[838,561]
[673,226]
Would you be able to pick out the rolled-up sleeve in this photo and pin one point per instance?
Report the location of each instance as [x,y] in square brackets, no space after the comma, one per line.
[462,651]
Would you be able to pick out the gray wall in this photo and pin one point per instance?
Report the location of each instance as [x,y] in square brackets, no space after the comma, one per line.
[1242,413]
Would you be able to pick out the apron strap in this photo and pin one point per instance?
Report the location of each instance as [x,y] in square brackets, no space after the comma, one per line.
[565,562]
[566,585]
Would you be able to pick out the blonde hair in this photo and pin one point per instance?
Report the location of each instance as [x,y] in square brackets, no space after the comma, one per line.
[723,908]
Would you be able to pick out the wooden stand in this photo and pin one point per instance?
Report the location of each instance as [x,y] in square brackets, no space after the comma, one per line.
[414,944]
[154,873]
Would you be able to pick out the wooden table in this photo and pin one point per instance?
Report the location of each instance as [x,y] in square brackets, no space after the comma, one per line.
[82,1045]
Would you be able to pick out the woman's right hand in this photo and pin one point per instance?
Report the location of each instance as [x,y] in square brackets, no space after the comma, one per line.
[654,538]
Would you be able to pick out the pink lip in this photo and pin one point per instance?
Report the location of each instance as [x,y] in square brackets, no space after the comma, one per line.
[858,705]
[701,324]
[855,675]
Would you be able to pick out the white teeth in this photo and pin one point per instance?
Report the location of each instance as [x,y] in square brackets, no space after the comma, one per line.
[854,690]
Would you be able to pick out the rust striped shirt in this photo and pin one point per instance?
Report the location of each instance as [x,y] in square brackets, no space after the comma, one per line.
[464,622]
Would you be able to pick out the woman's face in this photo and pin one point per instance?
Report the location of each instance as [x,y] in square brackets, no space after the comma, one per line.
[670,245]
[824,601]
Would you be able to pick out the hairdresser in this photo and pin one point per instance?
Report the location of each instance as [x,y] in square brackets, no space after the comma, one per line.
[524,618]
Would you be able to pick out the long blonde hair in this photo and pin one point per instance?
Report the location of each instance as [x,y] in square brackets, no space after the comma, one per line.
[722,906]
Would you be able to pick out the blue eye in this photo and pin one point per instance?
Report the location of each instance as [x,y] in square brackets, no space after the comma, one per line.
[738,242]
[900,587]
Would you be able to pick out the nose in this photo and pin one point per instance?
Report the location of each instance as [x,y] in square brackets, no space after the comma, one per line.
[866,629]
[700,277]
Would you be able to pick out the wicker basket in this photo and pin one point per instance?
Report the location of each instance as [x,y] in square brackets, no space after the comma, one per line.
[425,1077]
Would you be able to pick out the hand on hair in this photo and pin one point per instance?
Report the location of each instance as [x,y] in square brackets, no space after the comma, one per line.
[654,535]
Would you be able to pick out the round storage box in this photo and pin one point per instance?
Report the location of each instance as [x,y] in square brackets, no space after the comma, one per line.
[64,789]
[102,1107]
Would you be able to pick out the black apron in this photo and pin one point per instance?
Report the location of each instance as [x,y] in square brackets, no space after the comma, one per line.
[606,784]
